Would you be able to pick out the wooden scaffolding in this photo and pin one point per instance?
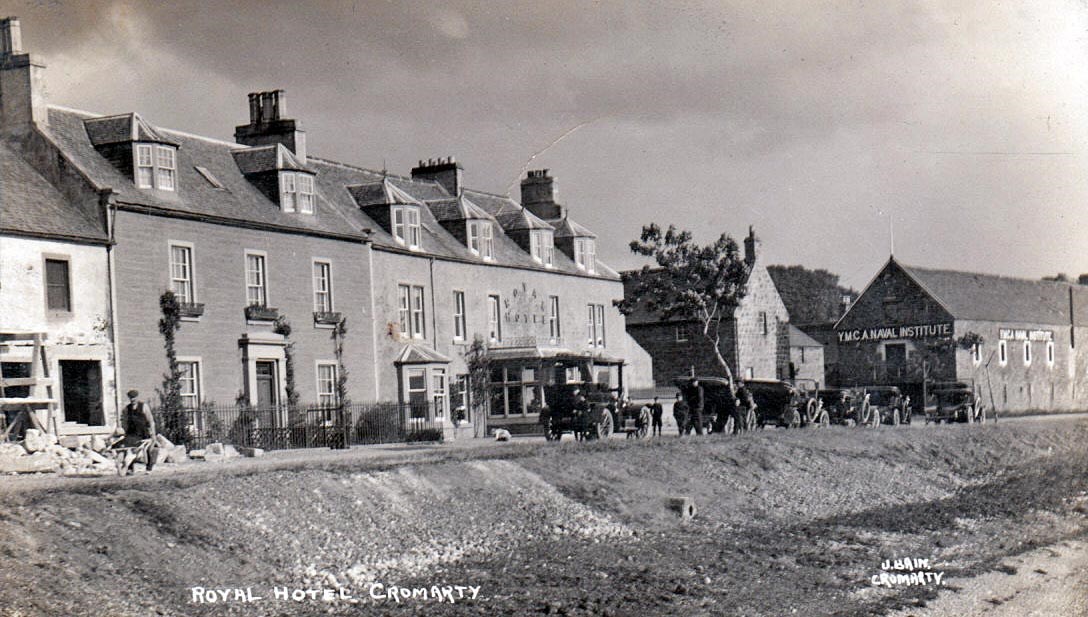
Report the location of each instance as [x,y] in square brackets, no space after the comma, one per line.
[39,408]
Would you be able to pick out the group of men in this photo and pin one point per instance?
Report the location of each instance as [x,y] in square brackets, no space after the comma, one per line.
[689,408]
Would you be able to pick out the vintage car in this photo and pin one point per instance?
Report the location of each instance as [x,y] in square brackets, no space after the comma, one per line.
[782,404]
[956,403]
[718,401]
[840,404]
[585,410]
[889,405]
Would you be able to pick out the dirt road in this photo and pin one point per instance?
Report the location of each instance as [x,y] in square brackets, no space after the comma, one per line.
[789,522]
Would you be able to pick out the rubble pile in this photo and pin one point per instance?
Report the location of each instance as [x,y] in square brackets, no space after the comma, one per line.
[40,452]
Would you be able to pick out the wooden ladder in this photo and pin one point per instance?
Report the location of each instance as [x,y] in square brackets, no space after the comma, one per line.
[41,397]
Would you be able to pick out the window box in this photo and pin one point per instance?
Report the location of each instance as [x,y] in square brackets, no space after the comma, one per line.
[257,312]
[326,318]
[190,309]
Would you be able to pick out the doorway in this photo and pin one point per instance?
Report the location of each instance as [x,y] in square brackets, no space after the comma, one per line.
[267,387]
[81,385]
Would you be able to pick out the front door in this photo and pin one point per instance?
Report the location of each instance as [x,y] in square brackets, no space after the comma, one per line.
[266,384]
[81,383]
[895,356]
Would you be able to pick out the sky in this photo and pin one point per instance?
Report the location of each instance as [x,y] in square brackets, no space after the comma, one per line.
[955,132]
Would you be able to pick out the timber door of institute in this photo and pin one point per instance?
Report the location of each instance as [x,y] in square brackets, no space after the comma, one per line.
[895,356]
[266,384]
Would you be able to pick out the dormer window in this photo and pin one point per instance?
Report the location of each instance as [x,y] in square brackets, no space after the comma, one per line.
[585,254]
[156,167]
[405,227]
[296,192]
[542,246]
[481,239]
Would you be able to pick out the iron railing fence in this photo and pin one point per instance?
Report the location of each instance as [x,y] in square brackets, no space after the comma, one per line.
[303,426]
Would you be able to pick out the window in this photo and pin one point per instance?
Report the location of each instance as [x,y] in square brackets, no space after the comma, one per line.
[802,355]
[419,322]
[406,229]
[976,354]
[156,167]
[513,390]
[681,334]
[494,323]
[1002,353]
[57,286]
[322,287]
[326,384]
[256,283]
[145,166]
[459,329]
[181,272]
[459,397]
[481,239]
[595,325]
[1050,353]
[585,254]
[749,373]
[411,314]
[305,193]
[190,383]
[288,191]
[553,318]
[438,391]
[763,323]
[1027,353]
[542,246]
[417,392]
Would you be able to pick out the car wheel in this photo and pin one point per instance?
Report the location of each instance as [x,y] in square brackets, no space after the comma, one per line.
[824,420]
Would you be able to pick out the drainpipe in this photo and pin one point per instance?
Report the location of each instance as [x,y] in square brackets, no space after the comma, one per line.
[111,281]
[1072,322]
[373,323]
[434,317]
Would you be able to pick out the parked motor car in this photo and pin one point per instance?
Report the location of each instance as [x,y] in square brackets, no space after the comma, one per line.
[956,403]
[889,405]
[782,404]
[840,404]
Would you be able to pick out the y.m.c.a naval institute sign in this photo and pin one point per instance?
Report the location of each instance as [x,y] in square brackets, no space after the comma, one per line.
[883,333]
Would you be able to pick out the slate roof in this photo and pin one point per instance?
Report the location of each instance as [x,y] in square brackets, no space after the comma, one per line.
[800,339]
[565,227]
[420,354]
[340,189]
[457,209]
[509,213]
[989,297]
[29,204]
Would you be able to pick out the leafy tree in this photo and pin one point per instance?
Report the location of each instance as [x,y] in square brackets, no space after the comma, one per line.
[283,328]
[810,296]
[170,407]
[703,283]
[479,381]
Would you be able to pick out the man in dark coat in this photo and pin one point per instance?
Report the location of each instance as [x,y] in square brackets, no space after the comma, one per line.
[655,415]
[745,402]
[139,427]
[680,411]
[697,401]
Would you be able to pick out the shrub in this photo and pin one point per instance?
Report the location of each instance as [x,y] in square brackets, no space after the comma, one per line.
[427,434]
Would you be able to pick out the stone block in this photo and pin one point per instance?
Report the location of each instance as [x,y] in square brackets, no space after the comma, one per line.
[98,443]
[34,441]
[250,452]
[214,449]
[175,454]
[197,454]
[31,463]
[71,442]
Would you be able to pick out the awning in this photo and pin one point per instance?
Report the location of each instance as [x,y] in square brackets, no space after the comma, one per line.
[537,353]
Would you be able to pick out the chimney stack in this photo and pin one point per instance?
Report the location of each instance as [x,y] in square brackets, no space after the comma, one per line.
[447,172]
[22,88]
[538,195]
[269,124]
[751,247]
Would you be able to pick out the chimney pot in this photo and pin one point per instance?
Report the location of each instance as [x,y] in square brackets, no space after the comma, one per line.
[11,36]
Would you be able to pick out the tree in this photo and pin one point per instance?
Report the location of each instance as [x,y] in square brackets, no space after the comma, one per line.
[810,296]
[283,328]
[171,412]
[479,382]
[339,333]
[704,283]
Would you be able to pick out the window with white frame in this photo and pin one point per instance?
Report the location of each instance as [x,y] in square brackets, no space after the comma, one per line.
[406,226]
[156,167]
[1050,353]
[411,314]
[1002,353]
[460,332]
[681,334]
[481,239]
[494,319]
[1027,353]
[438,392]
[305,193]
[181,272]
[417,392]
[554,330]
[189,372]
[326,384]
[595,325]
[256,280]
[322,287]
[585,254]
[296,192]
[542,246]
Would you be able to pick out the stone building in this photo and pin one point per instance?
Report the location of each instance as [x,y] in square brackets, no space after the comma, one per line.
[249,231]
[754,340]
[806,359]
[907,329]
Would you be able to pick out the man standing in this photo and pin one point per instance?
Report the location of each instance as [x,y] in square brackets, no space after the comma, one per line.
[680,411]
[697,406]
[655,414]
[139,433]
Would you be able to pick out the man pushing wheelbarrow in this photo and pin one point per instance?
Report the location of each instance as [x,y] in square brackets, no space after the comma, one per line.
[135,437]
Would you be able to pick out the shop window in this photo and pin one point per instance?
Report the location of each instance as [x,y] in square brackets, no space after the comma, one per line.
[1002,353]
[513,390]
